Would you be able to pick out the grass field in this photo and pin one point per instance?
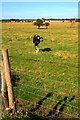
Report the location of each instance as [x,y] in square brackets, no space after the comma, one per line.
[48,80]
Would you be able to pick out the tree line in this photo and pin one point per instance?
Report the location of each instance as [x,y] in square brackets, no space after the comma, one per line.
[31,20]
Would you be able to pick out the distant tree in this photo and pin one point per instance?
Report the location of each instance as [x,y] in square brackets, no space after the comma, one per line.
[47,24]
[70,20]
[43,19]
[39,22]
[62,20]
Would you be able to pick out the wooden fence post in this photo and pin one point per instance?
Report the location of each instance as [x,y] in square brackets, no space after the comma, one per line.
[8,77]
[4,88]
[0,94]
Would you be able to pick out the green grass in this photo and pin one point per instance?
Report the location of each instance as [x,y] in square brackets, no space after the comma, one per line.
[54,71]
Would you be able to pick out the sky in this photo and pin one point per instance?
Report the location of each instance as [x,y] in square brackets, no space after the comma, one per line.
[35,10]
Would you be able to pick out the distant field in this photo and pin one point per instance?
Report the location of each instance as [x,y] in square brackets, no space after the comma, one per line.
[48,81]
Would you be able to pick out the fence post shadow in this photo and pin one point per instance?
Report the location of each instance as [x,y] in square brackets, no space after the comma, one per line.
[15,79]
[55,113]
[39,104]
[58,109]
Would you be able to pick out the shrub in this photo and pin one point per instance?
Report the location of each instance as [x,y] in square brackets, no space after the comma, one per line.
[47,24]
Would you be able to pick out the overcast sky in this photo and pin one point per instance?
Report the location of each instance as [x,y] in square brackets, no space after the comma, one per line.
[31,10]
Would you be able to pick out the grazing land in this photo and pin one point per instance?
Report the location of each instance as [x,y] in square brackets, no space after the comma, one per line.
[47,80]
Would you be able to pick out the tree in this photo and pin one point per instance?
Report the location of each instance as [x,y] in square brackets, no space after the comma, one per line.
[47,24]
[43,19]
[39,22]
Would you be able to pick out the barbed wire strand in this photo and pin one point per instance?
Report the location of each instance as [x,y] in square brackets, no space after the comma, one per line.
[45,61]
[51,110]
[65,83]
[51,99]
[55,92]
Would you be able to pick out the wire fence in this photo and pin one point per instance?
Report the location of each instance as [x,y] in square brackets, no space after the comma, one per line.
[46,104]
[47,97]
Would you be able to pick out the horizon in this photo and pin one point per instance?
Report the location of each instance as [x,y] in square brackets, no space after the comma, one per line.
[40,18]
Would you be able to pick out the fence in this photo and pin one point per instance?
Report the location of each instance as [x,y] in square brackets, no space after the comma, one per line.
[36,98]
[7,93]
[0,100]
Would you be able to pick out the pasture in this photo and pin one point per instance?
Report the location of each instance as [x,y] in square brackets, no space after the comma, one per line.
[48,80]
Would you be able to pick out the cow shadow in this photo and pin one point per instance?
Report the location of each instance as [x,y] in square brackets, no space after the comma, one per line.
[46,50]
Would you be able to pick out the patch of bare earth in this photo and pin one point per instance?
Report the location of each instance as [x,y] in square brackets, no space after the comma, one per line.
[65,54]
